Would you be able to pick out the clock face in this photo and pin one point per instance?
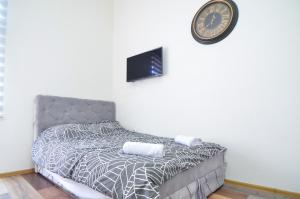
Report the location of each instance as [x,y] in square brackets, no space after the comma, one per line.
[214,21]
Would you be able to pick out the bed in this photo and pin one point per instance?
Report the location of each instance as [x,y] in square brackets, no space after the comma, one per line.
[189,178]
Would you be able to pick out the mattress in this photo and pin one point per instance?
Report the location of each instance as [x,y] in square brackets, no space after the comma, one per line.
[195,183]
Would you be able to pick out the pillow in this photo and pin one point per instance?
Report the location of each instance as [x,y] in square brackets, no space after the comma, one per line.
[63,130]
[105,126]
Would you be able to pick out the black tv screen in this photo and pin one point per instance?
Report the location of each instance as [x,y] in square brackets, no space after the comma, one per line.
[147,64]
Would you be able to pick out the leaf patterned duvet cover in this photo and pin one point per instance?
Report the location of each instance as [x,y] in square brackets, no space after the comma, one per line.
[91,154]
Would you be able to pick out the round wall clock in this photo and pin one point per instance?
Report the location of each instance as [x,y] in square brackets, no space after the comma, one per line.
[214,21]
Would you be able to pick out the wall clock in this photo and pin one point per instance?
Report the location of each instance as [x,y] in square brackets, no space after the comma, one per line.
[214,21]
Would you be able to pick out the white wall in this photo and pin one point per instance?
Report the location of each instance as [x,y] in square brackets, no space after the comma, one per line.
[242,92]
[55,47]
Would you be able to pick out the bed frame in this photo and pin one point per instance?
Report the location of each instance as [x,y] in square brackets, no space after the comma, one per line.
[195,183]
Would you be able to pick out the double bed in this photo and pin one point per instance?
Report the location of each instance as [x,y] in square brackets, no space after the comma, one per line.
[78,147]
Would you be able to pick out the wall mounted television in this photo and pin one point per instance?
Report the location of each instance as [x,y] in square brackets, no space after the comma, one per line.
[145,65]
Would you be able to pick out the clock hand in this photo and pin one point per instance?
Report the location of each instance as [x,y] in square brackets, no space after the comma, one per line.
[206,26]
[213,19]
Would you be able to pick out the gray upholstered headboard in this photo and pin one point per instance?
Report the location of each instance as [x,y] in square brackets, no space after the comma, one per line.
[52,110]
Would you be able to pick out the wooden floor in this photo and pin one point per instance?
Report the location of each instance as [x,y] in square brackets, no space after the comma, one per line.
[35,186]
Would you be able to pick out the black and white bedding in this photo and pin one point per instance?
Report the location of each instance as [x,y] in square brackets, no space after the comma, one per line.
[91,154]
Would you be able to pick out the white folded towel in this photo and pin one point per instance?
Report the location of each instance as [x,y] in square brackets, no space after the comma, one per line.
[147,149]
[187,140]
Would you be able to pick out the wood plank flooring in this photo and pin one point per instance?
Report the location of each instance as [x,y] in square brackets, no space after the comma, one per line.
[35,186]
[30,186]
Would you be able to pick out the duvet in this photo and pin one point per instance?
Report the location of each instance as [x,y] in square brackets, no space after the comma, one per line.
[91,154]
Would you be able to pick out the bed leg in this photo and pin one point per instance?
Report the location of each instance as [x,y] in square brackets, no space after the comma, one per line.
[35,169]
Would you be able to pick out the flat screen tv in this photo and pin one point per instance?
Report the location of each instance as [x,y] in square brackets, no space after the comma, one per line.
[144,65]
